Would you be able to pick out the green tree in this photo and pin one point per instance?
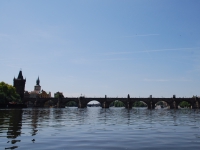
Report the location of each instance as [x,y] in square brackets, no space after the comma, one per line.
[8,94]
[184,104]
[58,95]
[117,104]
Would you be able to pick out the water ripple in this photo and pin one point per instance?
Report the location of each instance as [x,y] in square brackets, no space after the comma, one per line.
[97,128]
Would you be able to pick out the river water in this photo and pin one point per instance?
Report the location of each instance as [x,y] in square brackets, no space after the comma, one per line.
[96,128]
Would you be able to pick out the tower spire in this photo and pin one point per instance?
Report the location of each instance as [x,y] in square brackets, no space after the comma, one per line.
[20,76]
[38,81]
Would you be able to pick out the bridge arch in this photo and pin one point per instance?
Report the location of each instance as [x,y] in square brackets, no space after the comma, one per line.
[184,104]
[47,102]
[117,103]
[70,103]
[140,103]
[93,103]
[161,104]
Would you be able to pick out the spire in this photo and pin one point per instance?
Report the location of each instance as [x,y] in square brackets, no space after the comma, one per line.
[38,81]
[20,76]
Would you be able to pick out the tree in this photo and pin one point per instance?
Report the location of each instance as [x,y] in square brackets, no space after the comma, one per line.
[117,104]
[184,104]
[8,94]
[58,95]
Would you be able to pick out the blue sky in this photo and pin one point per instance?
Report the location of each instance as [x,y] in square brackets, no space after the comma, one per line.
[103,47]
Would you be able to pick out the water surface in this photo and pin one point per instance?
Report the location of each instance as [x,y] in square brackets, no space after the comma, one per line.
[97,128]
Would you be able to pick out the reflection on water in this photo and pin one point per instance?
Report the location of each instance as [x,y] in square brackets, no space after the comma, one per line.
[11,123]
[97,128]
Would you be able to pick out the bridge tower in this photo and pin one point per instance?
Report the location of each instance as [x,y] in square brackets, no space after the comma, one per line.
[19,84]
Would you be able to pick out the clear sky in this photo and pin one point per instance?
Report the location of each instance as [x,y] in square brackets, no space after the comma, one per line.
[103,47]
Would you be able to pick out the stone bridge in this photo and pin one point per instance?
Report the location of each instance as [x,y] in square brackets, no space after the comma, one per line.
[105,102]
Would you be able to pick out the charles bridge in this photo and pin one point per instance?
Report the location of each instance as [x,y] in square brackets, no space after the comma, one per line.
[106,101]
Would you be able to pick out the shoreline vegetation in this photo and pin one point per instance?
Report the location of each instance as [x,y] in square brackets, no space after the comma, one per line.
[8,94]
[9,98]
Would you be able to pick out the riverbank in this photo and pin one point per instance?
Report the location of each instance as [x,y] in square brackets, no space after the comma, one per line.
[13,106]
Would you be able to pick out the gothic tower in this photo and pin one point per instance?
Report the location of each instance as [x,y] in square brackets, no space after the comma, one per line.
[37,87]
[19,84]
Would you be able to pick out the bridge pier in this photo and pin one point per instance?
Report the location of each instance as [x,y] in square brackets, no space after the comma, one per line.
[81,102]
[150,103]
[173,104]
[128,104]
[153,105]
[195,103]
[105,104]
[60,104]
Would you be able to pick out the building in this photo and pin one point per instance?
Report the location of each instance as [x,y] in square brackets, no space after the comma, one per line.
[38,92]
[44,94]
[37,87]
[19,84]
[33,94]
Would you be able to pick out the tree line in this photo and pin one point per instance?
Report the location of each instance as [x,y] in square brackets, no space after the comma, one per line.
[8,94]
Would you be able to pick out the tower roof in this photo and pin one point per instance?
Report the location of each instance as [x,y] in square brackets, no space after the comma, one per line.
[38,81]
[20,76]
